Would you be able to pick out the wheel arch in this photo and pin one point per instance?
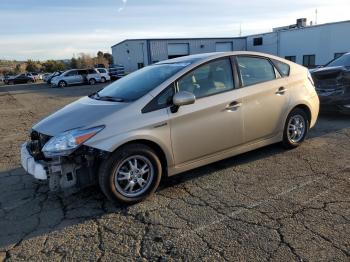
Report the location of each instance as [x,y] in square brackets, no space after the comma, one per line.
[306,109]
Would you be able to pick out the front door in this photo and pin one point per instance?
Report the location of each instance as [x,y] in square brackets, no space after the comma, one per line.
[214,122]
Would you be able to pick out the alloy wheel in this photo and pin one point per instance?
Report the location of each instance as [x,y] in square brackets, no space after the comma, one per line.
[296,128]
[134,176]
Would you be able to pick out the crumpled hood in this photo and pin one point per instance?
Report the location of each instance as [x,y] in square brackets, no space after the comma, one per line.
[81,113]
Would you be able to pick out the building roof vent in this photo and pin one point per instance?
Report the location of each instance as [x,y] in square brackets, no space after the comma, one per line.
[301,22]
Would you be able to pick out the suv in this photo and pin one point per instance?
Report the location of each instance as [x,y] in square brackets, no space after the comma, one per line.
[104,74]
[76,76]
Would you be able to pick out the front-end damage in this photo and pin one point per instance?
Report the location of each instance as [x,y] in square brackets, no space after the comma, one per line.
[76,170]
[333,88]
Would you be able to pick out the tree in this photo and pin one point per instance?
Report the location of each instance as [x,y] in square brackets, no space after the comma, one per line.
[32,66]
[53,65]
[74,63]
[108,57]
[99,54]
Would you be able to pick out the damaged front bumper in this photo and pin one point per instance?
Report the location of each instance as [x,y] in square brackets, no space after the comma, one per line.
[32,167]
[78,170]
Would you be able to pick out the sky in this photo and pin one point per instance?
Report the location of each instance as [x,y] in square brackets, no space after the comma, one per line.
[59,29]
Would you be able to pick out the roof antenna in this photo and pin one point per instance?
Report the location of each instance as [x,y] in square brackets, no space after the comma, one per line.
[240,29]
[316,16]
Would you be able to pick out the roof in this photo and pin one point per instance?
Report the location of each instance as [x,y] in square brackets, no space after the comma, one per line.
[183,38]
[231,38]
[299,28]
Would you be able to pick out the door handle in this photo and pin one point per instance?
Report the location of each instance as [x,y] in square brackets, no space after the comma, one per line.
[281,91]
[233,106]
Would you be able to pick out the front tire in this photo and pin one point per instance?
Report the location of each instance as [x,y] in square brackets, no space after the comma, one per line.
[92,81]
[62,84]
[130,174]
[295,129]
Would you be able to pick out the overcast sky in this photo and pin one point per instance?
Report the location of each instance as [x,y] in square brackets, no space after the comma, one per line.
[45,29]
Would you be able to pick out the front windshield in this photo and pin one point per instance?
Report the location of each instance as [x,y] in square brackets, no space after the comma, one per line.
[344,60]
[140,82]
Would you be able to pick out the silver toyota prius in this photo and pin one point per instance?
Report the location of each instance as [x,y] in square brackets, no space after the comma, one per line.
[170,117]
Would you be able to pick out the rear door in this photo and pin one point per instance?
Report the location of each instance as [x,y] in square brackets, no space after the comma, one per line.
[265,97]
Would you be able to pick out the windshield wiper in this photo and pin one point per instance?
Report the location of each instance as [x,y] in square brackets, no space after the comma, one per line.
[110,98]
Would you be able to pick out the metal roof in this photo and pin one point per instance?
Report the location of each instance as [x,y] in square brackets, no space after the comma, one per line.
[181,39]
[231,38]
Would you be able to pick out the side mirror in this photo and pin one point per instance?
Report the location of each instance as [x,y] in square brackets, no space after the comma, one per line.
[182,98]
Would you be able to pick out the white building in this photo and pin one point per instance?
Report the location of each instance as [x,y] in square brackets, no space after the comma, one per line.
[306,45]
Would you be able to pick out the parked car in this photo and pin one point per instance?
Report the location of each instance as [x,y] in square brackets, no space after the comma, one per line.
[35,76]
[19,79]
[116,72]
[54,74]
[46,76]
[333,84]
[104,74]
[170,117]
[76,76]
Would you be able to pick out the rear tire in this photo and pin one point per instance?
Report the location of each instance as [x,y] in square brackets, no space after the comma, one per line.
[103,79]
[295,129]
[130,174]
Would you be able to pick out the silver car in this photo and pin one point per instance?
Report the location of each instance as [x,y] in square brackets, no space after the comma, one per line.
[76,76]
[170,117]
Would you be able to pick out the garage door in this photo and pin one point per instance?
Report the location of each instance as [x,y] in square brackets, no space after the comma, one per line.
[176,50]
[223,47]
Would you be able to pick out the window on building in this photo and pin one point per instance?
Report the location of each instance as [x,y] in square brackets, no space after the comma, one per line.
[337,55]
[140,65]
[258,41]
[178,49]
[291,58]
[309,61]
[254,70]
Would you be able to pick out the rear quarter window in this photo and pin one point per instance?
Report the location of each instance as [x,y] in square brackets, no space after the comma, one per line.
[283,68]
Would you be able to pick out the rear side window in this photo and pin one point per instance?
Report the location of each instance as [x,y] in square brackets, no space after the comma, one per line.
[72,73]
[283,68]
[91,71]
[254,70]
[82,72]
[102,71]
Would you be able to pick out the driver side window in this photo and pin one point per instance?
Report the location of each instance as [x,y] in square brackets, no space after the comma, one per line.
[209,79]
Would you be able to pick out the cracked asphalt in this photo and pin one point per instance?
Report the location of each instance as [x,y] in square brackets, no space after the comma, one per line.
[266,205]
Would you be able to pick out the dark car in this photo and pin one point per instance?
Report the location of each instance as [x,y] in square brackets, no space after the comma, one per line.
[332,84]
[19,79]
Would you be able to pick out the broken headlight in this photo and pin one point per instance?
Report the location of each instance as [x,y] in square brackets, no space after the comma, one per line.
[65,143]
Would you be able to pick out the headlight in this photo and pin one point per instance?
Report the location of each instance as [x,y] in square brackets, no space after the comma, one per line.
[65,143]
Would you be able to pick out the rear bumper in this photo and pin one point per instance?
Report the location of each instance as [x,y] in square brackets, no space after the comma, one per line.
[315,109]
[32,167]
